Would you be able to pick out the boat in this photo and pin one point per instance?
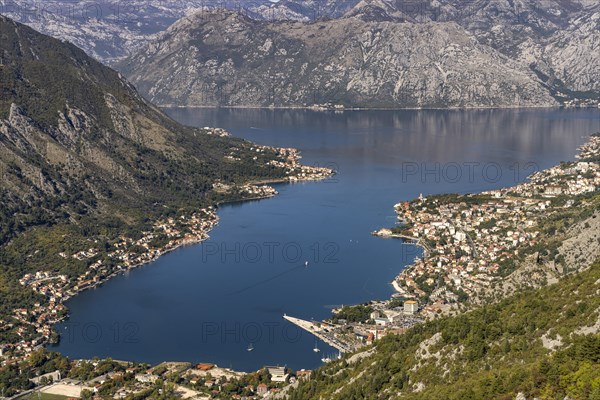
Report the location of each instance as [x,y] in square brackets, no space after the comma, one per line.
[306,263]
[250,347]
[331,357]
[316,349]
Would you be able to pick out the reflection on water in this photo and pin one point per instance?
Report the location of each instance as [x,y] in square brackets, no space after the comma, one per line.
[208,302]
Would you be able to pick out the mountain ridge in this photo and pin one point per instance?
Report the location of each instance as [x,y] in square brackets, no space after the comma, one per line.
[232,60]
[555,40]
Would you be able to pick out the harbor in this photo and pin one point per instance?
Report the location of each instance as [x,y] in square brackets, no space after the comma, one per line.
[325,332]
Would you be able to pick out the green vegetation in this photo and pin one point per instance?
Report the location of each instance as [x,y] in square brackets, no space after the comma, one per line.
[44,396]
[42,362]
[15,377]
[86,160]
[358,313]
[86,370]
[122,376]
[493,352]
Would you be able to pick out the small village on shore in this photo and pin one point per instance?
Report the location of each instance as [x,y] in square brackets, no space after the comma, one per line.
[35,325]
[97,379]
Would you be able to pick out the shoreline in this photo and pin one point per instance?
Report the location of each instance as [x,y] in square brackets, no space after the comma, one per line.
[166,235]
[190,241]
[341,110]
[480,239]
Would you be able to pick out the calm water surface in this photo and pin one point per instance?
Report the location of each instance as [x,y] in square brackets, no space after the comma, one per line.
[208,302]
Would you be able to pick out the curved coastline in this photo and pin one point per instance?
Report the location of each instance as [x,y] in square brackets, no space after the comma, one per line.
[261,192]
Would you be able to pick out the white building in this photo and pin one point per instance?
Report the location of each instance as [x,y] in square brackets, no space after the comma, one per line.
[411,306]
[277,374]
[460,236]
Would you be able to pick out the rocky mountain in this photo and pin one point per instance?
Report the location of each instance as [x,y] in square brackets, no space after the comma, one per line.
[105,30]
[225,58]
[110,30]
[572,56]
[298,10]
[557,39]
[79,146]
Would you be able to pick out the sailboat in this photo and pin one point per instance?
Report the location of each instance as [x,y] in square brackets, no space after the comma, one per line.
[250,347]
[326,359]
[316,349]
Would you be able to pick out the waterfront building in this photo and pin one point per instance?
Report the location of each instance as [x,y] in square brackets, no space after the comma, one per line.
[277,374]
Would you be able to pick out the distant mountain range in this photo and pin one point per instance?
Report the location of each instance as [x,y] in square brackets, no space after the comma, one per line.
[379,54]
[109,30]
[225,58]
[366,53]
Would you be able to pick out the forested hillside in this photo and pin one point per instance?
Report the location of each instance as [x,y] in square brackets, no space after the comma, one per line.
[543,344]
[85,160]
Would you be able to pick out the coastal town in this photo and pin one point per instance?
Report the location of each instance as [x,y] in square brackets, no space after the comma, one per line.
[352,327]
[580,103]
[125,255]
[471,242]
[100,379]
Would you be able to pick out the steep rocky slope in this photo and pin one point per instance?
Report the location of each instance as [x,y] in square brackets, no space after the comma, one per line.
[110,30]
[75,131]
[556,38]
[224,58]
[573,55]
[84,160]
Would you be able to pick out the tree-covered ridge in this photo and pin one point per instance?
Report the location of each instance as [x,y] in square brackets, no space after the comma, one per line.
[76,137]
[543,343]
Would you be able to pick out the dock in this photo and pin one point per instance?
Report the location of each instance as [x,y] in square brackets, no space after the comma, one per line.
[321,330]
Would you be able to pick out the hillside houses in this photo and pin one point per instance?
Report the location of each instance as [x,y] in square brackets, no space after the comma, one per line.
[471,240]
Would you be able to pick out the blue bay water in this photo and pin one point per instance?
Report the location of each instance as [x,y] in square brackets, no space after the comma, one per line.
[208,302]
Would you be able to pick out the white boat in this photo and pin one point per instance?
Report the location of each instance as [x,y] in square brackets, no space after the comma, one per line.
[250,347]
[316,349]
[306,263]
[332,357]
